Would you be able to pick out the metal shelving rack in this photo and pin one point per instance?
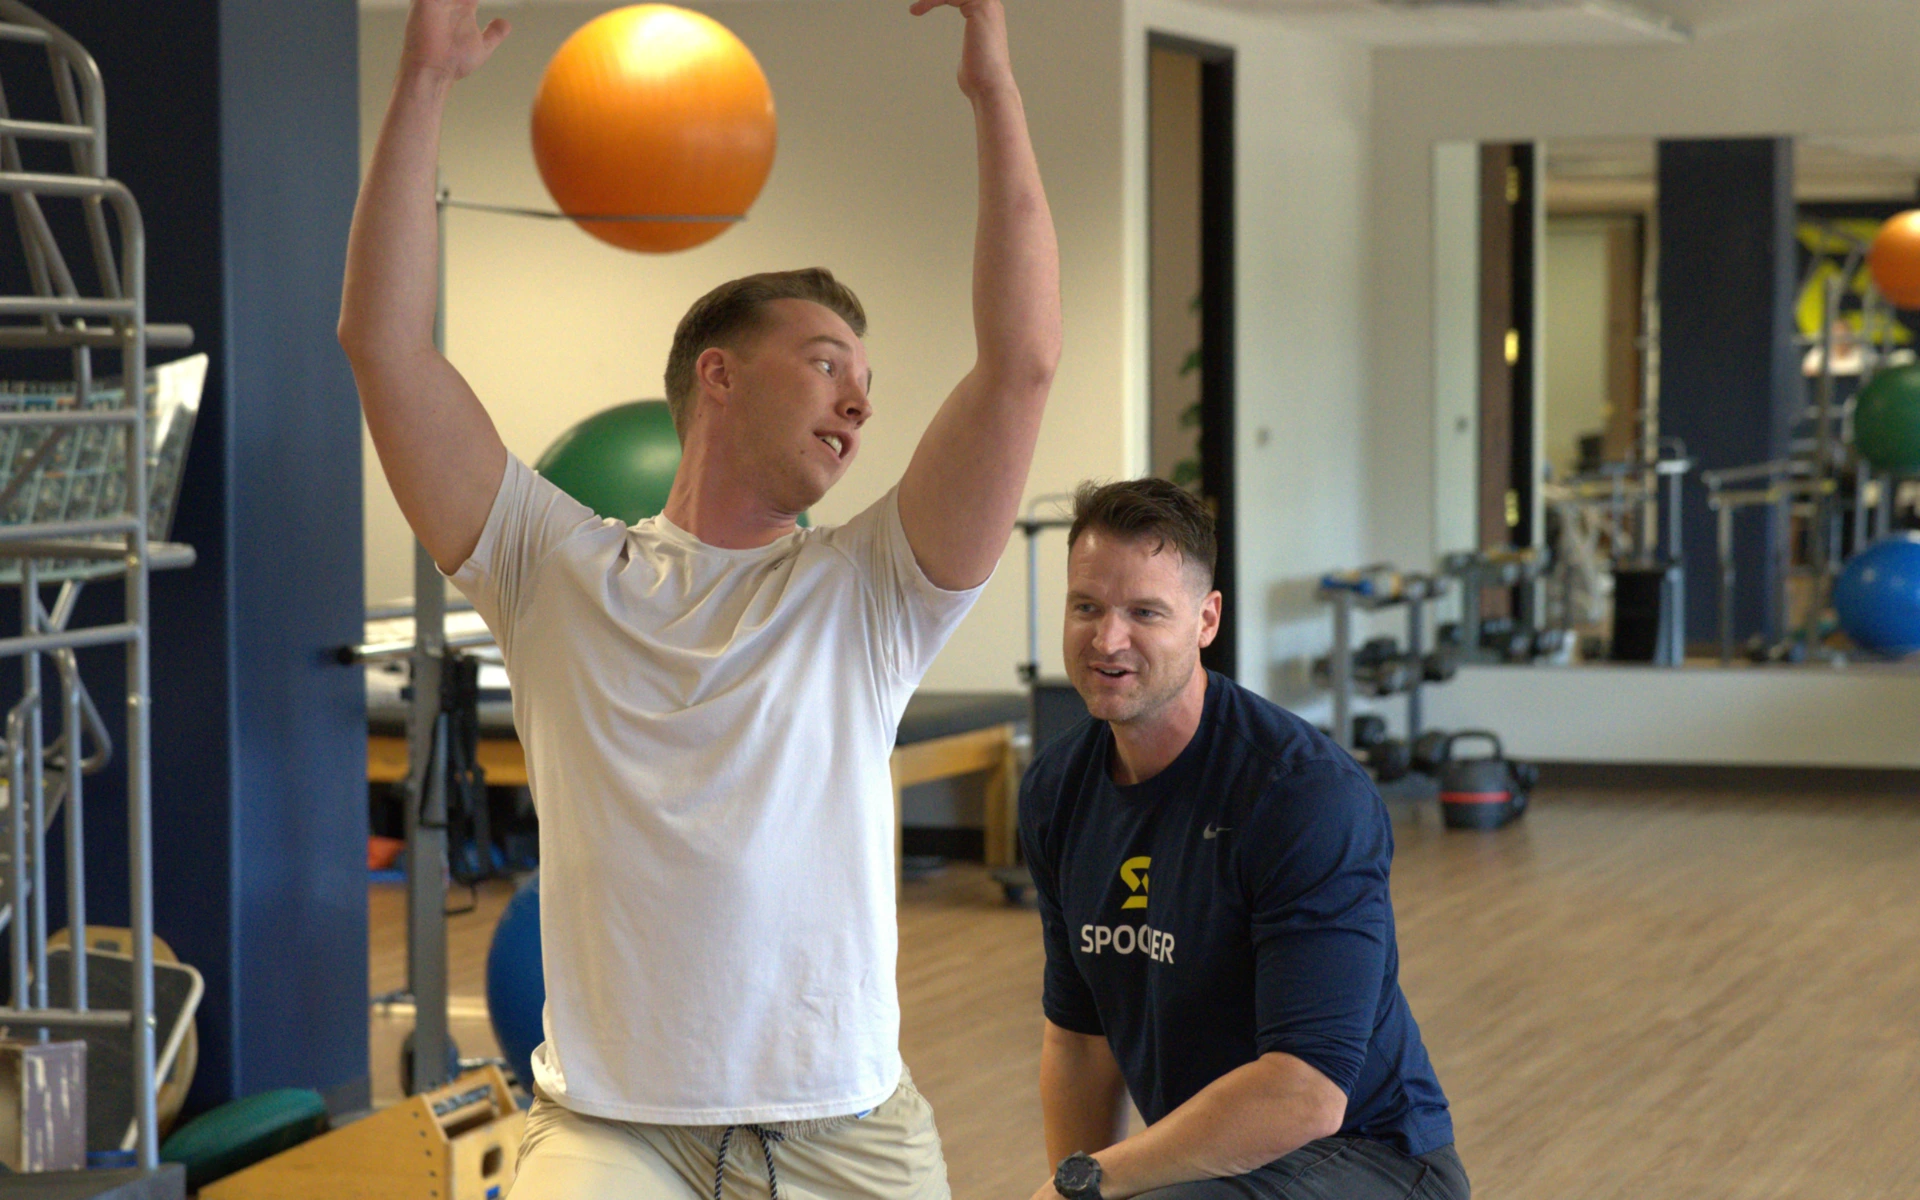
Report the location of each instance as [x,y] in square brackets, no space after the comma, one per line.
[69,534]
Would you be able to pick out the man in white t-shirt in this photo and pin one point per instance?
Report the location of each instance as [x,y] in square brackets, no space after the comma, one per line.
[708,698]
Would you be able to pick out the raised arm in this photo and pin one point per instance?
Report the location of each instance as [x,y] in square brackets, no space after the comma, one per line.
[441,453]
[961,492]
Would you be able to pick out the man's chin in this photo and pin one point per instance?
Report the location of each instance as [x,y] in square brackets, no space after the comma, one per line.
[1105,705]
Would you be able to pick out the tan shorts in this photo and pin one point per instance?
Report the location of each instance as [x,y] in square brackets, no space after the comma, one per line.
[892,1152]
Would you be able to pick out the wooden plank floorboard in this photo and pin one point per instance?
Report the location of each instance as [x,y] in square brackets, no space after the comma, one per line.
[1664,994]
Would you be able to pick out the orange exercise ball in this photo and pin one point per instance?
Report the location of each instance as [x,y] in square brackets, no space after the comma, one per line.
[1895,259]
[654,110]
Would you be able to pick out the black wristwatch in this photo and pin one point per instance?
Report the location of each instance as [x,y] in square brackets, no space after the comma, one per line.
[1078,1177]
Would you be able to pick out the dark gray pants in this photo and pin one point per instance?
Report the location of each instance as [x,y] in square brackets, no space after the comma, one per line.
[1337,1168]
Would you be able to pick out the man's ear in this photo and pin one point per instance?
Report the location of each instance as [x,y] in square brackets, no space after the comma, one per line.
[1209,619]
[714,373]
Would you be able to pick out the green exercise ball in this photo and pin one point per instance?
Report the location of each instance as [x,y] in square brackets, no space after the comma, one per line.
[619,463]
[1886,423]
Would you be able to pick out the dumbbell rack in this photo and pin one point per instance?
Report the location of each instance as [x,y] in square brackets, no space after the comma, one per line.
[1369,590]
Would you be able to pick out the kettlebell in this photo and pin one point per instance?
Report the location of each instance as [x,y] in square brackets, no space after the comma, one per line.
[1482,792]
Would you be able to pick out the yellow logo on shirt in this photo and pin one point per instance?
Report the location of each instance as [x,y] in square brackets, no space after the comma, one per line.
[1133,873]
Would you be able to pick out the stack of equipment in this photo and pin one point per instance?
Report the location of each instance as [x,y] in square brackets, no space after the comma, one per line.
[1380,667]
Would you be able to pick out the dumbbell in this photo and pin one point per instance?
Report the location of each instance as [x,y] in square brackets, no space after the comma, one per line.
[1376,650]
[1369,730]
[1390,760]
[1551,643]
[1526,776]
[1506,639]
[1431,751]
[1440,664]
[1389,676]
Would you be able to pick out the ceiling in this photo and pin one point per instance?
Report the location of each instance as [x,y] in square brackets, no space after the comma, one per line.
[1464,22]
[1518,22]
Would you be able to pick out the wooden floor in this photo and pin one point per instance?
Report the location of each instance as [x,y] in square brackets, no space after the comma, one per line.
[1648,995]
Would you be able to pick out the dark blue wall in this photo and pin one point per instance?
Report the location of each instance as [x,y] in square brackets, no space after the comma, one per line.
[236,123]
[1729,376]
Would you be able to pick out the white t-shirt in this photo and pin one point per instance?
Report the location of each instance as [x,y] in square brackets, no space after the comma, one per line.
[707,734]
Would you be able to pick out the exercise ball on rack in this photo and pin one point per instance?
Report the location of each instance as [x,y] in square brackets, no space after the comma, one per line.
[1877,596]
[652,110]
[1886,420]
[1894,259]
[516,988]
[619,462]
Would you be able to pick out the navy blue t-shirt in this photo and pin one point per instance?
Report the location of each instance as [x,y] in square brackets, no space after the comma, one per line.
[1233,905]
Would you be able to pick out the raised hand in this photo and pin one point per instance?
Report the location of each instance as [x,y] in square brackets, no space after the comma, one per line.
[444,37]
[984,63]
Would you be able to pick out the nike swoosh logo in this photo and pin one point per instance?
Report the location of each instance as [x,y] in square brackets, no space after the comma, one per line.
[1210,832]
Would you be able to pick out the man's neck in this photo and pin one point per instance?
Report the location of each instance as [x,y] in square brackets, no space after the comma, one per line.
[713,500]
[1144,748]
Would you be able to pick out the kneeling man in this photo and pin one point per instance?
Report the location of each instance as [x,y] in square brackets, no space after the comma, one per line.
[1212,874]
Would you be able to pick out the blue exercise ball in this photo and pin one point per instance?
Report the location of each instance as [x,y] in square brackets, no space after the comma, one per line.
[516,988]
[1878,596]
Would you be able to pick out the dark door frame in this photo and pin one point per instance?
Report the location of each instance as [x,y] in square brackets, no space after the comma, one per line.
[1218,386]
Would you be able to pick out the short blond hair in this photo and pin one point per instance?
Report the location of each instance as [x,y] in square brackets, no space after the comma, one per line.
[735,311]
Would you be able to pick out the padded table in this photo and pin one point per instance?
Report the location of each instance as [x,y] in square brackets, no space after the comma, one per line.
[942,735]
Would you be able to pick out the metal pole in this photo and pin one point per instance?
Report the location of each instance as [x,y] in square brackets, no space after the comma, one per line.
[139,700]
[1340,668]
[76,856]
[1862,477]
[33,790]
[1676,650]
[426,779]
[1416,648]
[1781,554]
[17,850]
[1725,540]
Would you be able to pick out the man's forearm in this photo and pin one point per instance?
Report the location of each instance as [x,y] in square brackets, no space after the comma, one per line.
[1082,1094]
[392,282]
[1242,1121]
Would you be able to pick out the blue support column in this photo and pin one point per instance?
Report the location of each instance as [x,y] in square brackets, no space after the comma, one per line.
[236,124]
[1729,376]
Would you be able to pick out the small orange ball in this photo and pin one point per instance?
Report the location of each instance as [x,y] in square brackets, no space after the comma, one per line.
[654,110]
[1894,259]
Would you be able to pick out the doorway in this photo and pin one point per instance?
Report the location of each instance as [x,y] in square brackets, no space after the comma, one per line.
[1190,152]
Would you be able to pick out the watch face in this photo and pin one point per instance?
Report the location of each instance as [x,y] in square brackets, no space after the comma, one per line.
[1078,1173]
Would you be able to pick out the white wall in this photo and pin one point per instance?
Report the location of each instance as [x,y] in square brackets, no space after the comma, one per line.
[1302,138]
[874,178]
[1810,716]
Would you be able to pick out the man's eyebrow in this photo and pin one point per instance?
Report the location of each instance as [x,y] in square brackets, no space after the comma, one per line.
[1131,602]
[840,344]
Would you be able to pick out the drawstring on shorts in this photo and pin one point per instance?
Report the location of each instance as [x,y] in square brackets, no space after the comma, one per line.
[767,1138]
